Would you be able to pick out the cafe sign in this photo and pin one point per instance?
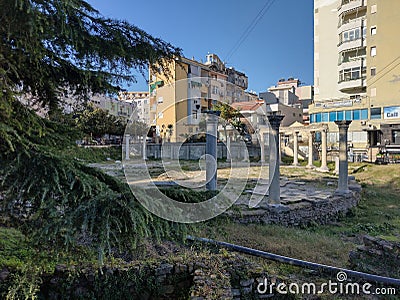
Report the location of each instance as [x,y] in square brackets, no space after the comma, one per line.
[392,112]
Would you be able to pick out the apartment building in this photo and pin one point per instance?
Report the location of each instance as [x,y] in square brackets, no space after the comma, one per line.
[357,71]
[141,102]
[293,98]
[190,88]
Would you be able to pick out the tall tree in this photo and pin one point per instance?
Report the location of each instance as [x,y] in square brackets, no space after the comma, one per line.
[48,49]
[51,47]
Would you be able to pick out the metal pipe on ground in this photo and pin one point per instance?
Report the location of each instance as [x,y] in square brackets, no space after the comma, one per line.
[297,262]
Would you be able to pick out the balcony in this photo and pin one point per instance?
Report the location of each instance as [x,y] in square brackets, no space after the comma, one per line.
[352,63]
[345,46]
[351,24]
[351,5]
[352,86]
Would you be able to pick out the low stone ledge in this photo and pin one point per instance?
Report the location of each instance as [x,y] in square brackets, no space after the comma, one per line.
[315,209]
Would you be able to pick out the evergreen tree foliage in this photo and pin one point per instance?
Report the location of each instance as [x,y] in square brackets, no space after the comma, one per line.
[49,49]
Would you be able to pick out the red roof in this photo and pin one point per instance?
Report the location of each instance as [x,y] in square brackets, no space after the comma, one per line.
[247,106]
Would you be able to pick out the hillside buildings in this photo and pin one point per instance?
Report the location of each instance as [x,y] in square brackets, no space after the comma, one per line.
[141,103]
[357,71]
[291,99]
[192,88]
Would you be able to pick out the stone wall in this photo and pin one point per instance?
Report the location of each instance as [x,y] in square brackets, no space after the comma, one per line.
[377,256]
[302,211]
[217,276]
[193,151]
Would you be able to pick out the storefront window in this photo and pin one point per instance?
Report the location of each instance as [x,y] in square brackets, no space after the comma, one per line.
[376,113]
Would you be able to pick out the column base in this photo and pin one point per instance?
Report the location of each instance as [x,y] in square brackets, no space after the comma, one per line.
[323,169]
[295,164]
[342,192]
[310,167]
[278,208]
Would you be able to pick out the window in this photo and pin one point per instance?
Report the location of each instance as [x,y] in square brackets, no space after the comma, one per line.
[332,116]
[351,74]
[375,113]
[373,30]
[373,92]
[373,51]
[374,9]
[348,115]
[345,36]
[325,117]
[351,35]
[318,118]
[364,114]
[356,115]
[373,71]
[355,73]
[340,115]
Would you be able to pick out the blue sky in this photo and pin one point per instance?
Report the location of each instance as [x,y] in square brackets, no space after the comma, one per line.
[280,46]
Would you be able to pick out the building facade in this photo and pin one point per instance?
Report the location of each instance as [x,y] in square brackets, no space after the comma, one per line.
[178,101]
[141,102]
[357,71]
[292,97]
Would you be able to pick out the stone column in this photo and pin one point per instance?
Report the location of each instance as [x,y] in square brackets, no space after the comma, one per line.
[343,160]
[274,164]
[295,148]
[280,147]
[336,165]
[228,148]
[310,150]
[211,150]
[127,141]
[262,147]
[144,147]
[324,165]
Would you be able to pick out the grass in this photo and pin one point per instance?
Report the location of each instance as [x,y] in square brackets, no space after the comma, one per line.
[378,214]
[16,252]
[94,154]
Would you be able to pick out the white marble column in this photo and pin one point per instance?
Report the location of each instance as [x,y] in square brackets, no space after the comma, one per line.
[144,147]
[324,165]
[336,165]
[127,150]
[228,148]
[295,148]
[343,159]
[310,150]
[274,164]
[211,150]
[262,147]
[280,147]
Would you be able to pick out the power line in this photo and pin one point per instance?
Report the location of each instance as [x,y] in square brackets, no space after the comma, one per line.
[250,28]
[379,73]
